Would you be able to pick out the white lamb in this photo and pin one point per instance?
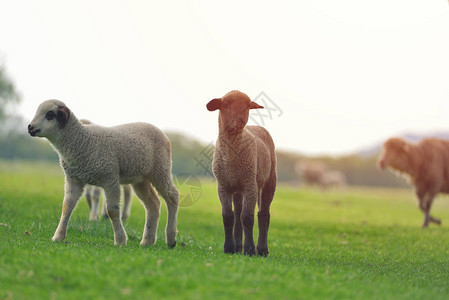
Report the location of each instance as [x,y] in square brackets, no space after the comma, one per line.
[136,153]
[93,194]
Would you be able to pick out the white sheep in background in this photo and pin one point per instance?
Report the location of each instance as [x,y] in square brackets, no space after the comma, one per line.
[244,165]
[333,179]
[316,173]
[93,194]
[136,153]
[311,172]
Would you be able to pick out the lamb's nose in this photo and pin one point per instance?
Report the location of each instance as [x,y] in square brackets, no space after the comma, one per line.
[30,128]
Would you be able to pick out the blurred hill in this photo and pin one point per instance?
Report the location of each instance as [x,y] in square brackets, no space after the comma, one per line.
[193,157]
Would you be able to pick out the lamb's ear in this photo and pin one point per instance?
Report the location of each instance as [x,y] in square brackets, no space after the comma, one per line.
[214,104]
[254,105]
[62,115]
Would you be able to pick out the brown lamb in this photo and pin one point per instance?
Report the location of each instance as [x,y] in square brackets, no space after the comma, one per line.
[425,164]
[245,168]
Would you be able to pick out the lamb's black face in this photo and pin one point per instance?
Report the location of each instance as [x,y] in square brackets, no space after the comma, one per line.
[51,116]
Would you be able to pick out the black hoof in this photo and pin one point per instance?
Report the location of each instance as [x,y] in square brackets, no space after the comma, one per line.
[229,249]
[262,252]
[238,249]
[250,252]
[171,246]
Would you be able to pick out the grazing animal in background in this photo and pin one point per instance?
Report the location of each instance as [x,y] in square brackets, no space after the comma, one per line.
[93,194]
[316,173]
[138,154]
[333,179]
[425,164]
[244,165]
[311,172]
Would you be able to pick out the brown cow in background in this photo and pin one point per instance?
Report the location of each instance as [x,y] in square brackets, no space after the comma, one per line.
[425,164]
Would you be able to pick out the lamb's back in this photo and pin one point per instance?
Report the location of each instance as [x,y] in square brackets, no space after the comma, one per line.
[435,164]
[264,136]
[137,147]
[266,157]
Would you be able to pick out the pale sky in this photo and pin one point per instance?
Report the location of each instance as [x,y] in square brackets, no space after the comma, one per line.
[341,75]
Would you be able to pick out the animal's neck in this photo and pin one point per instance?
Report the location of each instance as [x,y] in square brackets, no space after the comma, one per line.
[233,146]
[415,161]
[71,141]
[230,140]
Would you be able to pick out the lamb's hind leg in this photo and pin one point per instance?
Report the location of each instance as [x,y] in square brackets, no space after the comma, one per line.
[264,220]
[238,234]
[73,192]
[435,220]
[428,205]
[249,204]
[171,196]
[150,200]
[112,193]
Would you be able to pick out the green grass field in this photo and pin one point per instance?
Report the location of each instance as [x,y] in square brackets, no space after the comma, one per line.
[357,243]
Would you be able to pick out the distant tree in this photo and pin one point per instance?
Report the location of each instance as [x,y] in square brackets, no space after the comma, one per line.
[14,141]
[8,94]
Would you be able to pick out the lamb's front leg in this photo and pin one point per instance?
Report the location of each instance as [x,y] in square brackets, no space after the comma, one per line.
[264,219]
[228,219]
[112,193]
[238,234]
[73,192]
[249,204]
[435,220]
[150,200]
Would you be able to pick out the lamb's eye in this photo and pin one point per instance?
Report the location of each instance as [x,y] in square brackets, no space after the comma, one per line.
[50,115]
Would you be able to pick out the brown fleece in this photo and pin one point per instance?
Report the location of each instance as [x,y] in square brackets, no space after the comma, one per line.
[425,164]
